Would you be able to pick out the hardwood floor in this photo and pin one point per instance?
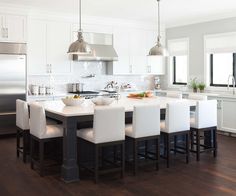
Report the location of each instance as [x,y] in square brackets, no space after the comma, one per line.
[208,177]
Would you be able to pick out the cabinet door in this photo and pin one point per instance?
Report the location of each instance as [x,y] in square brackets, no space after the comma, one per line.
[138,50]
[58,42]
[228,113]
[37,47]
[16,28]
[121,45]
[3,34]
[156,64]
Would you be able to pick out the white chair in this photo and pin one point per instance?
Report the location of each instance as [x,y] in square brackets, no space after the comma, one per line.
[108,130]
[197,97]
[145,127]
[204,122]
[174,94]
[22,126]
[177,123]
[41,133]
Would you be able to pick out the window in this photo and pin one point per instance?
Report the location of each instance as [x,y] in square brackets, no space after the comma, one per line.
[222,65]
[180,64]
[220,55]
[178,61]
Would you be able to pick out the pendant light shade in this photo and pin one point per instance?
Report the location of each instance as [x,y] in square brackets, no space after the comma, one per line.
[158,49]
[80,47]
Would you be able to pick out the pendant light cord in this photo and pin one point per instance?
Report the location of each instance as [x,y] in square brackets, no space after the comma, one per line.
[80,17]
[159,19]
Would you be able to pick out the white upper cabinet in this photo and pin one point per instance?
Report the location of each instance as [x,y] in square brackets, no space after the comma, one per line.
[121,45]
[138,50]
[37,47]
[48,44]
[13,28]
[58,42]
[132,46]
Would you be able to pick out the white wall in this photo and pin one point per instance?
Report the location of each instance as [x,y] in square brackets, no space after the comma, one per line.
[195,33]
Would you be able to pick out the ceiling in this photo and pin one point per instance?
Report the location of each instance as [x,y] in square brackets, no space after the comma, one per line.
[174,12]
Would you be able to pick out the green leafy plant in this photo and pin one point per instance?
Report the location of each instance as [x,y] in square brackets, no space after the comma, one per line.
[193,84]
[201,86]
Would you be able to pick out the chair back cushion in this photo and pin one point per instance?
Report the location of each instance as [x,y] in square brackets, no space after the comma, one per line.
[22,114]
[173,94]
[177,117]
[197,97]
[206,114]
[109,124]
[37,120]
[146,121]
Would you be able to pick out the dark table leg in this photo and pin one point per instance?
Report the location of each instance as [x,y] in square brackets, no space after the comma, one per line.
[69,169]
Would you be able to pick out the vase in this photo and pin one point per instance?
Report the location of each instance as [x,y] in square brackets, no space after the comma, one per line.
[195,90]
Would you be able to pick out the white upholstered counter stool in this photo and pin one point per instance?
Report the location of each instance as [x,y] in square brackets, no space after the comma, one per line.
[22,127]
[41,133]
[145,127]
[108,130]
[204,126]
[177,123]
[174,94]
[197,97]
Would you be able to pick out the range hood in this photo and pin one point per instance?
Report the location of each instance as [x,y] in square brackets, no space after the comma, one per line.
[102,47]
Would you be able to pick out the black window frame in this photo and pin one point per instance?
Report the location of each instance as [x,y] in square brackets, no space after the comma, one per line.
[174,74]
[212,68]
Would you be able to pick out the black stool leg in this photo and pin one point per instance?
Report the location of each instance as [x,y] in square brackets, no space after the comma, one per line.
[31,153]
[96,163]
[17,143]
[41,157]
[24,146]
[187,148]
[198,145]
[135,156]
[122,159]
[175,144]
[215,142]
[192,138]
[157,153]
[146,149]
[168,149]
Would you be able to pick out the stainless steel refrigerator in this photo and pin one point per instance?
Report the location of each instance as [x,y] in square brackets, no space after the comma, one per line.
[12,83]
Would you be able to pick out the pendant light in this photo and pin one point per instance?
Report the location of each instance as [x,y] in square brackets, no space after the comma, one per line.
[80,47]
[158,49]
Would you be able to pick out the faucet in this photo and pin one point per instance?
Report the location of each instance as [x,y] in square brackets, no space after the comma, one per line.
[233,82]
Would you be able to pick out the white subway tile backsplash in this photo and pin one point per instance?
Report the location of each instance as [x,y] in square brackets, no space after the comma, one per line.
[82,69]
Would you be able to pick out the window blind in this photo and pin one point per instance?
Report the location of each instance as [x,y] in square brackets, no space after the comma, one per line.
[220,43]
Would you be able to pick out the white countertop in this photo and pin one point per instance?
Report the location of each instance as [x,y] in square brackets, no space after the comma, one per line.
[211,94]
[87,108]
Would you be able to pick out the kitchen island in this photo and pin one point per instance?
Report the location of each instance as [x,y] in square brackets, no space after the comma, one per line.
[70,116]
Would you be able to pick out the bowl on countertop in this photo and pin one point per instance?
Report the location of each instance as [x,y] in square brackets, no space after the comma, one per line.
[102,100]
[73,101]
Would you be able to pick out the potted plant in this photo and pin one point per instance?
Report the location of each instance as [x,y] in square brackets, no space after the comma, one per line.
[201,87]
[194,85]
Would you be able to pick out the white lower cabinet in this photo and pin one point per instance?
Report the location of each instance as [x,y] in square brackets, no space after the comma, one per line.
[227,115]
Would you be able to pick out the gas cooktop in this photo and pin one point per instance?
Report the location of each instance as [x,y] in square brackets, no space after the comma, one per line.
[85,92]
[92,94]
